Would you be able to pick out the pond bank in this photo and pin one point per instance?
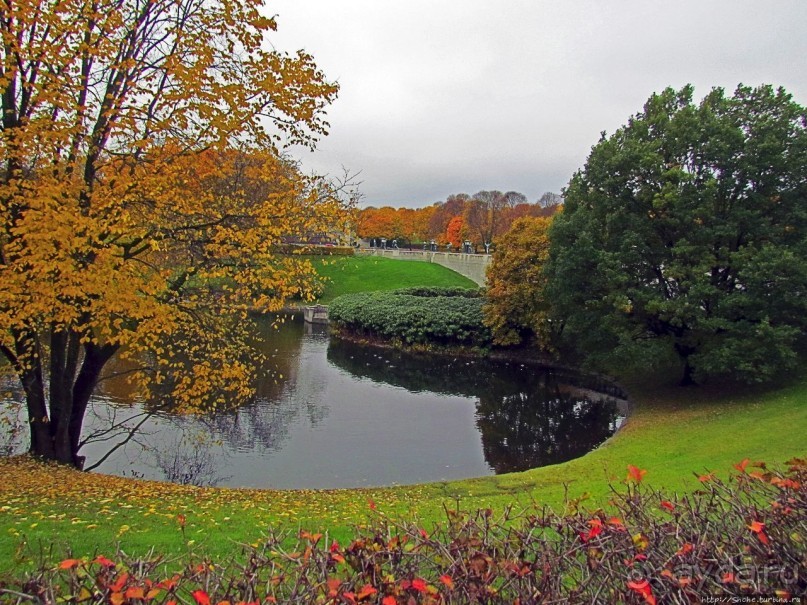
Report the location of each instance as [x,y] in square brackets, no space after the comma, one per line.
[673,433]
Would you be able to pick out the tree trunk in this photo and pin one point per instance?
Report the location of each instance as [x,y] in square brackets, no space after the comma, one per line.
[95,358]
[684,353]
[28,365]
[687,380]
[56,419]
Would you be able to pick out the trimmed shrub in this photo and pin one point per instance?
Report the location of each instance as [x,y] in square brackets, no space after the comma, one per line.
[422,316]
[434,292]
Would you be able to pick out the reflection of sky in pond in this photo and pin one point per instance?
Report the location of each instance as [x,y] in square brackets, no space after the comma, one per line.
[344,415]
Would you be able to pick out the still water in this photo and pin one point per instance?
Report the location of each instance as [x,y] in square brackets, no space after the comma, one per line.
[345,415]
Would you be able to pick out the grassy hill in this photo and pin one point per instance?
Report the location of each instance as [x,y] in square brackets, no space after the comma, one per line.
[350,274]
[50,512]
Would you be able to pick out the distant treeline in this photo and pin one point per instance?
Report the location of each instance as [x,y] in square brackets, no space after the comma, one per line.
[480,218]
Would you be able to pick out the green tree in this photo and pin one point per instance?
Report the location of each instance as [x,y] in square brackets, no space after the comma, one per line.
[515,307]
[686,232]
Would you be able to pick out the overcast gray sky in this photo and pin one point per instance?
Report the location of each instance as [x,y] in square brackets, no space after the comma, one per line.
[450,96]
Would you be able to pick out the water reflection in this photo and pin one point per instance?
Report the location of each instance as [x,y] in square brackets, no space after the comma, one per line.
[542,424]
[329,413]
[528,416]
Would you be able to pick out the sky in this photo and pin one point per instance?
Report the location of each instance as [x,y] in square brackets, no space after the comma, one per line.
[456,96]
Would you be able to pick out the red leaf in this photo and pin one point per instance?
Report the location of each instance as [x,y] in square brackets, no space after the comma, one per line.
[389,600]
[333,586]
[667,505]
[448,581]
[785,483]
[759,529]
[349,596]
[168,584]
[596,530]
[69,563]
[419,585]
[135,592]
[103,561]
[119,583]
[740,466]
[371,504]
[687,547]
[635,474]
[644,589]
[334,546]
[367,591]
[201,597]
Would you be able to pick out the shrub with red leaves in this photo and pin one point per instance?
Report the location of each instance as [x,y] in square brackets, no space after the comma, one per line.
[744,537]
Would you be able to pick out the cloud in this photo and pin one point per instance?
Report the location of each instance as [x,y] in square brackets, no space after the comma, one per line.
[457,96]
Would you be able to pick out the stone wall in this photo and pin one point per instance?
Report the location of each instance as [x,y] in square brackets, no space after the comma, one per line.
[472,266]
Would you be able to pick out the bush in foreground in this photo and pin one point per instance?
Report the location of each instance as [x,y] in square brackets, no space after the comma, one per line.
[741,538]
[414,316]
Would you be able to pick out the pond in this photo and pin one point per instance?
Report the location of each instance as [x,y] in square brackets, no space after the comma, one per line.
[336,414]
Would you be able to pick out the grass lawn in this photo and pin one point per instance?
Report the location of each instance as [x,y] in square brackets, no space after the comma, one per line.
[52,512]
[349,274]
[673,433]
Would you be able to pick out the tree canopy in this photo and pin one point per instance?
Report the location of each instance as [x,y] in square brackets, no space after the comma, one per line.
[483,217]
[142,192]
[686,232]
[515,308]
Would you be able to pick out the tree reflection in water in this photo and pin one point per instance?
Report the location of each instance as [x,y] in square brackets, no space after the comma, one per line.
[191,459]
[328,413]
[528,415]
[543,424]
[259,425]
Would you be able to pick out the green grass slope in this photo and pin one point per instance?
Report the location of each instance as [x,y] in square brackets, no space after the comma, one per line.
[350,274]
[52,512]
[672,433]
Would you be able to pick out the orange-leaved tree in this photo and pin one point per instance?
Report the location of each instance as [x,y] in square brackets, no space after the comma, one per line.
[455,231]
[515,307]
[142,195]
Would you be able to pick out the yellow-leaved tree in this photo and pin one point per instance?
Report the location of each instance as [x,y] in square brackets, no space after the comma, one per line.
[515,307]
[143,194]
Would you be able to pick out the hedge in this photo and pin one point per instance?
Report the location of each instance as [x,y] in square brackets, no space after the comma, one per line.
[314,250]
[424,316]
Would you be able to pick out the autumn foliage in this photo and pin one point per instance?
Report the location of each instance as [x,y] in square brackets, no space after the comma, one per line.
[483,217]
[737,538]
[141,194]
[515,308]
